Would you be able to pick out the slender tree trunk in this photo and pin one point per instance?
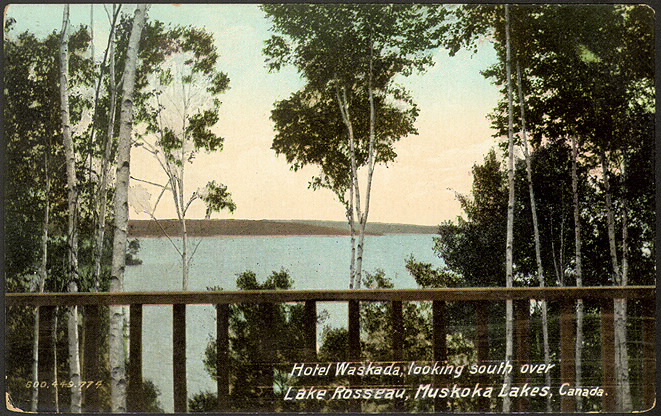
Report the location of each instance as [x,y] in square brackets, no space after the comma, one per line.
[41,284]
[352,228]
[579,268]
[72,197]
[183,208]
[509,310]
[370,170]
[34,400]
[184,254]
[621,350]
[535,225]
[54,347]
[610,219]
[343,104]
[92,32]
[107,152]
[117,356]
[621,306]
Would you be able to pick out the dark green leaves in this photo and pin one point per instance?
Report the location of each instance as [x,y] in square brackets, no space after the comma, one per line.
[199,130]
[352,50]
[216,198]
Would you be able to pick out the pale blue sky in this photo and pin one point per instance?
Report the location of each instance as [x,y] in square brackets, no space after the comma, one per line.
[417,188]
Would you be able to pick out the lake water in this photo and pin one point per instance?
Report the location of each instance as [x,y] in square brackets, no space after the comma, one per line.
[313,262]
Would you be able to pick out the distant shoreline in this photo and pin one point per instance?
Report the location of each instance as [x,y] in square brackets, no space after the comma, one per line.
[270,228]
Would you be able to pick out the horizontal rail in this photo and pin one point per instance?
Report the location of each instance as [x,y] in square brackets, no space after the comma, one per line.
[281,296]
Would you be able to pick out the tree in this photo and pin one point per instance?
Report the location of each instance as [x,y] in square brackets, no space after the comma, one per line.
[509,245]
[72,231]
[26,141]
[593,104]
[538,251]
[262,336]
[472,247]
[349,56]
[36,193]
[585,79]
[107,145]
[179,115]
[121,211]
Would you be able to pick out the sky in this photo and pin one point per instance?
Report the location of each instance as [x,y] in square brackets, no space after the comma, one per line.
[417,188]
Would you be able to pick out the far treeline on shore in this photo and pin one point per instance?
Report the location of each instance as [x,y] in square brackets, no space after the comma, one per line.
[211,228]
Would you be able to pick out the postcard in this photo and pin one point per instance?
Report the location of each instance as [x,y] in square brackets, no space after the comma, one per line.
[321,207]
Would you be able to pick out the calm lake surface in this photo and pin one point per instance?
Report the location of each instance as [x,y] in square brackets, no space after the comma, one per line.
[313,262]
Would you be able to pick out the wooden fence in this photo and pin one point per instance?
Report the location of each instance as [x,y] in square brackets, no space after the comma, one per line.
[481,298]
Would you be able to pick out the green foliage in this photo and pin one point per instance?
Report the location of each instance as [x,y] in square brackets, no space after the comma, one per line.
[376,343]
[216,198]
[182,68]
[474,248]
[132,251]
[310,131]
[198,129]
[355,50]
[177,110]
[205,401]
[261,336]
[586,73]
[426,276]
[150,401]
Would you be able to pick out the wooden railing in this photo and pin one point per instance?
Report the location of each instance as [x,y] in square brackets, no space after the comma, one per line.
[566,297]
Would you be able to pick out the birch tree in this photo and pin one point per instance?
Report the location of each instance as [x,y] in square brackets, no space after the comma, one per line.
[36,194]
[179,120]
[578,256]
[107,143]
[72,197]
[509,245]
[535,224]
[348,56]
[117,357]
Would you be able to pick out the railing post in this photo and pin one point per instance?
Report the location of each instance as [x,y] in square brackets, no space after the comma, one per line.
[608,354]
[649,352]
[439,330]
[439,343]
[354,346]
[397,345]
[354,330]
[135,398]
[567,351]
[482,335]
[92,335]
[179,357]
[267,356]
[310,330]
[522,330]
[47,399]
[222,355]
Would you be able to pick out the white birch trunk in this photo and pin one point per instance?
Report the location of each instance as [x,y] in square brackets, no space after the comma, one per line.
[34,399]
[105,164]
[43,275]
[184,254]
[72,204]
[117,356]
[343,104]
[352,228]
[623,387]
[371,161]
[579,271]
[535,225]
[509,310]
[55,357]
